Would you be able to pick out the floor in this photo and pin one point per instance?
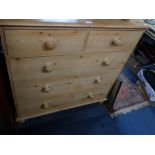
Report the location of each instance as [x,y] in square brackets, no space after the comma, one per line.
[92,120]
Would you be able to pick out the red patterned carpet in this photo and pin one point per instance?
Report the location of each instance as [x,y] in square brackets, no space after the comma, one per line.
[128,96]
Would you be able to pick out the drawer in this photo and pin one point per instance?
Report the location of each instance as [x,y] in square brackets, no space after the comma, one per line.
[33,43]
[32,100]
[62,68]
[112,40]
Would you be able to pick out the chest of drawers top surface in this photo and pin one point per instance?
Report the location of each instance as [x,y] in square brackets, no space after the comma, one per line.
[102,23]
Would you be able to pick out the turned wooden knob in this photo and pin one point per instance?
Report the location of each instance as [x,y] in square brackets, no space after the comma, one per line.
[46,88]
[50,44]
[116,41]
[45,105]
[90,95]
[98,79]
[47,67]
[106,62]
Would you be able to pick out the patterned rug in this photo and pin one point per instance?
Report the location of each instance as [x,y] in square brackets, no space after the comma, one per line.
[130,97]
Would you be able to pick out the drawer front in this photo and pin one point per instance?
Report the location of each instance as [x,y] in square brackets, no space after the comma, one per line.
[32,43]
[62,68]
[112,40]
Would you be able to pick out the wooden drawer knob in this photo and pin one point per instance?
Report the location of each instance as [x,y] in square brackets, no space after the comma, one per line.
[98,79]
[50,44]
[47,68]
[46,88]
[116,41]
[90,95]
[106,62]
[45,105]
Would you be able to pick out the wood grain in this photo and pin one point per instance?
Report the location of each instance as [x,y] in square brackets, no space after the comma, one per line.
[30,98]
[100,23]
[66,67]
[103,40]
[32,43]
[66,80]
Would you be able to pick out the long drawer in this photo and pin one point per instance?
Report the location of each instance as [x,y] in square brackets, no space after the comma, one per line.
[62,68]
[35,43]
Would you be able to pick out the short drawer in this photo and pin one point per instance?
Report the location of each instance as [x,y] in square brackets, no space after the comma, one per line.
[119,40]
[33,43]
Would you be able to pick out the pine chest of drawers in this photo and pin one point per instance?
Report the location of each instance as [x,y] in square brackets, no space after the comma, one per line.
[56,65]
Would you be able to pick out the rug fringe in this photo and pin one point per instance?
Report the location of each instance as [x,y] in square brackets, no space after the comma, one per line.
[130,109]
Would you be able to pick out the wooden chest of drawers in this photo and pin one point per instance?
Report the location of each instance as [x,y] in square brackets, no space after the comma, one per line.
[54,65]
